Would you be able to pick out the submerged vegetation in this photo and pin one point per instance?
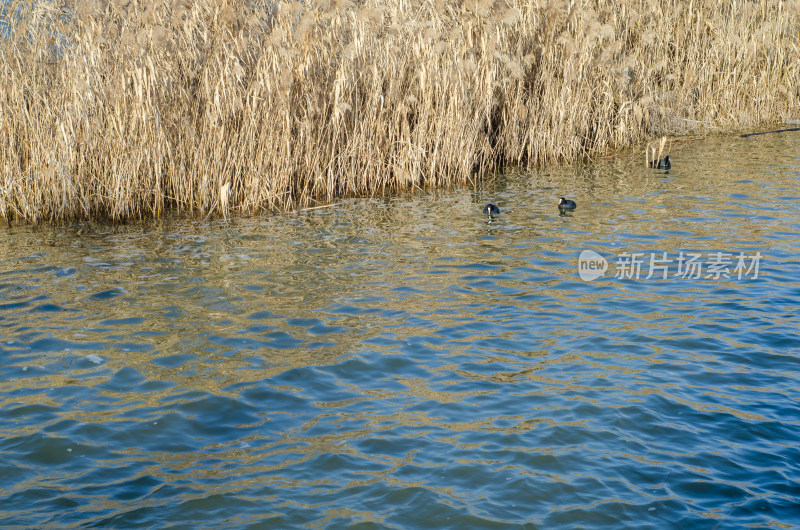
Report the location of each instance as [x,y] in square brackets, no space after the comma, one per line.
[122,109]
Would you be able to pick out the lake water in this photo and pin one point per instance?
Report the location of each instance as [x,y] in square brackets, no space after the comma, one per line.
[409,363]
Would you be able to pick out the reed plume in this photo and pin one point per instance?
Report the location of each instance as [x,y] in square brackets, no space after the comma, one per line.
[122,110]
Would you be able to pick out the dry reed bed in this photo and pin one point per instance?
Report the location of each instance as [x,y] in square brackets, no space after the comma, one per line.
[122,109]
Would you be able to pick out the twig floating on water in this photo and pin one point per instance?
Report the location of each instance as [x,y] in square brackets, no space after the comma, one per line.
[770,132]
[315,207]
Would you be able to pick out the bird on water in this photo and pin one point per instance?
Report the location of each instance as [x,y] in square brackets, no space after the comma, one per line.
[491,209]
[566,204]
[664,163]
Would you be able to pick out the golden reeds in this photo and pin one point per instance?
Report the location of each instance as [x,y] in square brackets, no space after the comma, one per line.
[123,109]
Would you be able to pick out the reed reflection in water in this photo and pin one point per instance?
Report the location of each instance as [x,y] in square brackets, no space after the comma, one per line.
[410,362]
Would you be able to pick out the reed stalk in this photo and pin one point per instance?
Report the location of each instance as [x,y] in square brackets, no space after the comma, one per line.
[124,109]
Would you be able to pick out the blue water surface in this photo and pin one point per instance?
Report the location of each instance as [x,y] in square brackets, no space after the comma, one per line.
[412,363]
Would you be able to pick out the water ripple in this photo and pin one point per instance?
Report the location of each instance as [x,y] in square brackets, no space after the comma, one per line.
[409,363]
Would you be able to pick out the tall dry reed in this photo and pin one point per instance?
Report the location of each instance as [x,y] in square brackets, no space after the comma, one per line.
[122,109]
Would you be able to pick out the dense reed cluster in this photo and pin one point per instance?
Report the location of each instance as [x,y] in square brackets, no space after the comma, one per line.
[121,109]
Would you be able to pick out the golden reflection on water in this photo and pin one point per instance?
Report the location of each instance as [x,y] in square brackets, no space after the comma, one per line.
[338,333]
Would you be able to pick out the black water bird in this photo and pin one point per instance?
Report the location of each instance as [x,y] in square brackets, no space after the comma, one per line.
[491,209]
[566,204]
[664,163]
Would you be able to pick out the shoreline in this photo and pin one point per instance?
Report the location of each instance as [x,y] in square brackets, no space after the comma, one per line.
[633,157]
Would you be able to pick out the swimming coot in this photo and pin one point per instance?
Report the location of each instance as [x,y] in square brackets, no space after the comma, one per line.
[491,209]
[664,163]
[566,204]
